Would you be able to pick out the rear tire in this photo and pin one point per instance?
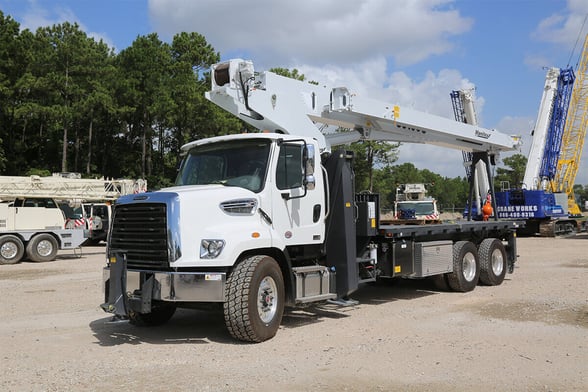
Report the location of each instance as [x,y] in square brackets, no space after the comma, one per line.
[42,247]
[254,299]
[11,249]
[492,262]
[466,267]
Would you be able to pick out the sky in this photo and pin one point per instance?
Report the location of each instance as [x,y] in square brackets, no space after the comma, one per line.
[407,52]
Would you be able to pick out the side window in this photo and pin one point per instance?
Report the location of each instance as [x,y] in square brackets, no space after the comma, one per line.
[289,173]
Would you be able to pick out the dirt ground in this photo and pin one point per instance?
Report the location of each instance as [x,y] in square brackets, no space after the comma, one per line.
[529,334]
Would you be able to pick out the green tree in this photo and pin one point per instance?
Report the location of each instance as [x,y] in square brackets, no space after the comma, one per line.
[512,173]
[293,73]
[144,74]
[13,52]
[65,68]
[370,155]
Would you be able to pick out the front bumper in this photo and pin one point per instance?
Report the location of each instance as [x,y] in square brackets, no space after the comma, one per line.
[134,290]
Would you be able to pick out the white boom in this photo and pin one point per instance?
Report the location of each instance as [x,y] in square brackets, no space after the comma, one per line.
[267,101]
[58,187]
[532,179]
[480,170]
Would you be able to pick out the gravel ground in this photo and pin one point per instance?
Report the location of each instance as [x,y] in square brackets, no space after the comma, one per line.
[529,334]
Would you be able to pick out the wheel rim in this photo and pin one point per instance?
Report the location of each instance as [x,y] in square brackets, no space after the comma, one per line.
[497,262]
[469,266]
[267,304]
[44,248]
[9,250]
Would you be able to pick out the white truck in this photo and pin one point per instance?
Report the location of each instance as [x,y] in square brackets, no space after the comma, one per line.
[34,227]
[33,223]
[258,221]
[413,204]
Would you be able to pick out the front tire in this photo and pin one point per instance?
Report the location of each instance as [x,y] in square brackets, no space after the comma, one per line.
[492,262]
[254,299]
[466,267]
[11,249]
[42,247]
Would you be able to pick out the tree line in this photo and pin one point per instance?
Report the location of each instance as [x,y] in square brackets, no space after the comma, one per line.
[69,103]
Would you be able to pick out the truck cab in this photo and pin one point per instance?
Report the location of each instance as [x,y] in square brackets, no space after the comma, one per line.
[412,202]
[98,216]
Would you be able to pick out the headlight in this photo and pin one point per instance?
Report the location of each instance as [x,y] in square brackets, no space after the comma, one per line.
[210,249]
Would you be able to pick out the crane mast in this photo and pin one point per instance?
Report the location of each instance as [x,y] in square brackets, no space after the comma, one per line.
[476,169]
[547,134]
[573,135]
[547,202]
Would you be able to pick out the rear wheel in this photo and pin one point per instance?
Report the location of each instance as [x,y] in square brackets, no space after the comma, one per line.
[254,299]
[11,249]
[492,261]
[466,268]
[42,247]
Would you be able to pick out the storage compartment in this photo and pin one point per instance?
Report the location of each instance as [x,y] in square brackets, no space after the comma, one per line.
[368,214]
[313,283]
[432,258]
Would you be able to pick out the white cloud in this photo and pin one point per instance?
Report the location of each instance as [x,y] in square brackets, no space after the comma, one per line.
[365,39]
[430,94]
[370,79]
[37,16]
[317,31]
[564,28]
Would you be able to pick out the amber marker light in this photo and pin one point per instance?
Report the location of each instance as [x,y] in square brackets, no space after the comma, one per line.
[255,234]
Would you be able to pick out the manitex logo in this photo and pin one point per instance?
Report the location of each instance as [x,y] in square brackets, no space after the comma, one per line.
[483,135]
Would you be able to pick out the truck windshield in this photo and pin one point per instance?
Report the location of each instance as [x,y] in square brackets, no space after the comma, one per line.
[240,163]
[420,208]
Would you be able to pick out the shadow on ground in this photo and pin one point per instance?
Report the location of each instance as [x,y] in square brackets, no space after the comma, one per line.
[190,326]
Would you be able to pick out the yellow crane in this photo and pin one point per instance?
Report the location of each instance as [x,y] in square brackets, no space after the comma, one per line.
[574,134]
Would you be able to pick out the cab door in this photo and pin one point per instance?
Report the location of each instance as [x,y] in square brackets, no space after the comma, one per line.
[298,206]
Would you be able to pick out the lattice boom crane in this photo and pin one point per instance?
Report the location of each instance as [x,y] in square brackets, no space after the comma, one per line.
[574,134]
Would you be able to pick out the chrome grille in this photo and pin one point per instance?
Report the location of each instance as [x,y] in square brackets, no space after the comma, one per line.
[140,231]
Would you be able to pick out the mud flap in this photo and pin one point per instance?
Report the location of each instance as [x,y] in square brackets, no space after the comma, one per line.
[512,251]
[142,303]
[117,293]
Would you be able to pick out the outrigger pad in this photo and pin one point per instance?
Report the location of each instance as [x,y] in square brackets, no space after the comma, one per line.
[117,293]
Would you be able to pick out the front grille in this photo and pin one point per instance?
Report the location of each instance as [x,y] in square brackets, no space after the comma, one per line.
[140,231]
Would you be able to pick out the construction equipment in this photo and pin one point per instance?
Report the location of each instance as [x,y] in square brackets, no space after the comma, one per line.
[64,188]
[34,227]
[33,223]
[574,135]
[546,200]
[260,220]
[413,206]
[478,175]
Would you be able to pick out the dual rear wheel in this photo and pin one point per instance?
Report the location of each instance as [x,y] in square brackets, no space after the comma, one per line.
[42,247]
[484,264]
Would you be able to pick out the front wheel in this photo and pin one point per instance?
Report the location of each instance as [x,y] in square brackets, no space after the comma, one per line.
[11,249]
[254,299]
[466,268]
